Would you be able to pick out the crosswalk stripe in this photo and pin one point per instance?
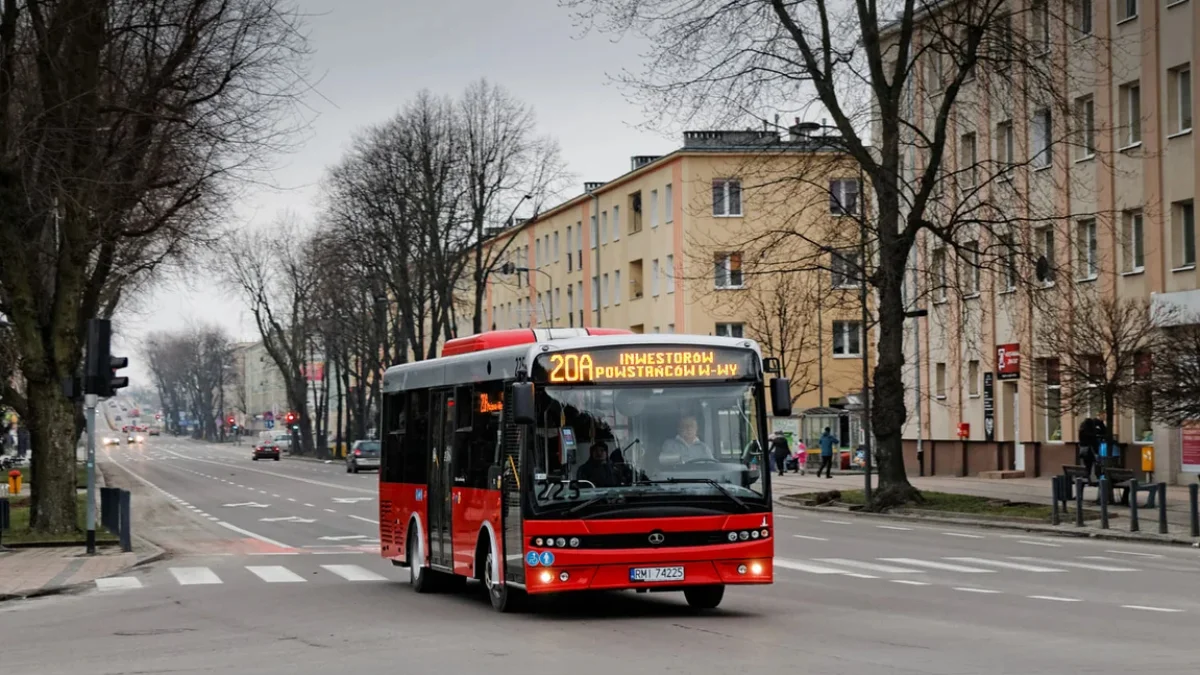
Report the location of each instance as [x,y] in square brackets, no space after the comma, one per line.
[118,583]
[1005,565]
[354,573]
[192,576]
[805,567]
[275,574]
[1082,566]
[946,567]
[874,567]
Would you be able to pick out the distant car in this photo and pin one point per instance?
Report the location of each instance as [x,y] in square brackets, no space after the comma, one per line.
[154,431]
[111,440]
[363,455]
[266,451]
[135,439]
[117,418]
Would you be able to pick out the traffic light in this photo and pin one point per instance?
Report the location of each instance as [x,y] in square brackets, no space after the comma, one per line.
[100,367]
[232,422]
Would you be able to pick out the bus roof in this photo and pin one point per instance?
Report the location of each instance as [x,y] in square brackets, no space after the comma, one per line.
[502,361]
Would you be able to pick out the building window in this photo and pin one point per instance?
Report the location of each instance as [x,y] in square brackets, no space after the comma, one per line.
[617,287]
[843,197]
[1082,17]
[570,307]
[1181,99]
[934,78]
[847,338]
[1085,247]
[653,208]
[670,273]
[727,197]
[654,273]
[844,266]
[616,228]
[1040,18]
[1041,138]
[1126,9]
[940,281]
[1004,41]
[967,159]
[570,261]
[670,328]
[1085,122]
[1133,247]
[727,270]
[604,291]
[595,292]
[1045,248]
[973,378]
[940,380]
[595,234]
[1183,222]
[579,295]
[668,204]
[556,250]
[604,227]
[1005,147]
[1053,403]
[1131,113]
[972,268]
[733,330]
[1009,253]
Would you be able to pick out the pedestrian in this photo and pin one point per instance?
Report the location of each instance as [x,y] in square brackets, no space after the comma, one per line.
[779,448]
[827,442]
[22,442]
[801,458]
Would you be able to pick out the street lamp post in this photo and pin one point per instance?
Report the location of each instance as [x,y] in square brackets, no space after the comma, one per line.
[915,314]
[549,289]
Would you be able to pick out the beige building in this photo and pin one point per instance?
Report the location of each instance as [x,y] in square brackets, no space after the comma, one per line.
[1103,189]
[670,247]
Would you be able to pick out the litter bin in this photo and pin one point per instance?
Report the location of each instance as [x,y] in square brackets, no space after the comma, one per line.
[14,482]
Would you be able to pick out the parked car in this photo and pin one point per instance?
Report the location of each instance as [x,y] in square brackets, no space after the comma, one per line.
[154,431]
[265,451]
[363,455]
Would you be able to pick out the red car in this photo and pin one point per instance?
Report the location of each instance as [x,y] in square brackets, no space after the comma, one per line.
[266,451]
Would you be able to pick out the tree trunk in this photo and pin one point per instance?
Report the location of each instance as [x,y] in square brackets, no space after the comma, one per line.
[52,483]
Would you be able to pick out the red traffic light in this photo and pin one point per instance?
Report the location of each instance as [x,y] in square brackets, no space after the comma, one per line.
[291,417]
[231,420]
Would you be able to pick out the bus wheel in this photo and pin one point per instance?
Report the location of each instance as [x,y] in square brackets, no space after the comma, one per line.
[419,577]
[704,597]
[505,599]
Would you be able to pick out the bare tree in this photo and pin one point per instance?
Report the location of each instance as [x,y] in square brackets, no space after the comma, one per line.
[1175,381]
[864,64]
[126,127]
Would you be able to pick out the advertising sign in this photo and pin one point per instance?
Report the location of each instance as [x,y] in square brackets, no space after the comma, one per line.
[1008,361]
[989,408]
[1190,446]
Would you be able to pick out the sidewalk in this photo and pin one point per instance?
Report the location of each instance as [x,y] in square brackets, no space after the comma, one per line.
[1031,490]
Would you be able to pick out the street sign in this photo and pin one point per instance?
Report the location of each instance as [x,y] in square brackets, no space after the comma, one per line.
[269,416]
[270,424]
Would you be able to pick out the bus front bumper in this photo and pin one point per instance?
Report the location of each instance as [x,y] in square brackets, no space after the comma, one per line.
[657,576]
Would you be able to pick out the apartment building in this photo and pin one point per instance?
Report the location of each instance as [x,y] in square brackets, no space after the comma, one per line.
[1111,212]
[667,247]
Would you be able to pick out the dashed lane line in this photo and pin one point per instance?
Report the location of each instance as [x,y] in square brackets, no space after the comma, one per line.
[1136,553]
[365,520]
[1145,608]
[871,567]
[804,536]
[1053,598]
[1020,567]
[970,589]
[837,522]
[1031,542]
[1082,566]
[964,535]
[894,527]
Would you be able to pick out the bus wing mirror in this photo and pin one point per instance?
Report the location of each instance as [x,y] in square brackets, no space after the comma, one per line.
[523,403]
[781,397]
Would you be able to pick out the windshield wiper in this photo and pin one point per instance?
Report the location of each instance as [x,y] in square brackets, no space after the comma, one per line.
[613,499]
[709,481]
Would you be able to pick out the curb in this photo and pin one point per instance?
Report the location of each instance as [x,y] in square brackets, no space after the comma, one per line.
[1111,535]
[152,555]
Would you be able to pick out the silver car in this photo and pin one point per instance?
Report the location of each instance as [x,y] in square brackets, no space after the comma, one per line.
[363,455]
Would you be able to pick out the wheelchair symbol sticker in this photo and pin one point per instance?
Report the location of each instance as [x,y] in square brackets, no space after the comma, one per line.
[531,558]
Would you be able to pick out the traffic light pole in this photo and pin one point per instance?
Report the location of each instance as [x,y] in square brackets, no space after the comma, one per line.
[89,406]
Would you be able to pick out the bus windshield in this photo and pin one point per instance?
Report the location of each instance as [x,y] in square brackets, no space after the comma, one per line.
[598,447]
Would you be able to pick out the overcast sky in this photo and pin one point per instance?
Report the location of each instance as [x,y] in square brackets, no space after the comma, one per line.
[371,56]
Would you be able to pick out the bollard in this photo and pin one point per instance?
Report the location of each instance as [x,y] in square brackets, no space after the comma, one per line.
[1054,492]
[1104,502]
[1133,506]
[3,520]
[124,521]
[1078,502]
[1162,508]
[1194,498]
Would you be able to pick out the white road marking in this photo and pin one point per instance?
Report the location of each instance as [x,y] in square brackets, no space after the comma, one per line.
[253,505]
[350,500]
[275,574]
[963,534]
[309,505]
[118,583]
[909,582]
[365,520]
[282,475]
[290,499]
[275,496]
[353,573]
[856,575]
[331,510]
[805,567]
[1053,598]
[1143,555]
[786,516]
[194,576]
[874,567]
[1151,609]
[803,536]
[837,522]
[966,589]
[946,567]
[250,534]
[1039,543]
[344,537]
[275,553]
[1082,566]
[894,527]
[1004,565]
[287,519]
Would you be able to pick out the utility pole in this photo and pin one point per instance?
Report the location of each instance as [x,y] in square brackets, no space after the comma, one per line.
[866,351]
[99,379]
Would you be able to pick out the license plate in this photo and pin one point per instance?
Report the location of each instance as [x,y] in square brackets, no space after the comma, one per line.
[656,574]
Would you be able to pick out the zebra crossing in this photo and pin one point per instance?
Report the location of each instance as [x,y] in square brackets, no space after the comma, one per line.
[270,574]
[947,566]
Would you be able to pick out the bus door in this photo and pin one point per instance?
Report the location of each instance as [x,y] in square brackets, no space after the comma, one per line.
[440,479]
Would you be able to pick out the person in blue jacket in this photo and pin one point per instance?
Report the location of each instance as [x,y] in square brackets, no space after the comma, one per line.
[827,442]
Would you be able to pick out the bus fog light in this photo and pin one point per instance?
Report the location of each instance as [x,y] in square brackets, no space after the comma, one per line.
[755,568]
[561,542]
[574,542]
[741,569]
[766,533]
[563,576]
[743,535]
[537,542]
[754,534]
[733,536]
[547,577]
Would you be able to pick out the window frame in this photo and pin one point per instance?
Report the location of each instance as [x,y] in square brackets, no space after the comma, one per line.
[837,197]
[725,260]
[845,330]
[726,193]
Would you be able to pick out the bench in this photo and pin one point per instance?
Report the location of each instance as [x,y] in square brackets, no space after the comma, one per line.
[1117,478]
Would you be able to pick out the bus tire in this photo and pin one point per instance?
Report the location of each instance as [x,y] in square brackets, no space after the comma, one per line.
[420,577]
[704,597]
[504,598]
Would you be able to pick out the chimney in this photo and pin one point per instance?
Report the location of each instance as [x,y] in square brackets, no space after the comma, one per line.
[592,186]
[638,161]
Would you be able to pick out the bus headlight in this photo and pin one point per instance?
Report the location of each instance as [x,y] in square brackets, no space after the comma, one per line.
[756,568]
[574,542]
[547,577]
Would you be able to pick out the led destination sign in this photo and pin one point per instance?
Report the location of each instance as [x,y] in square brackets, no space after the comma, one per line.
[624,364]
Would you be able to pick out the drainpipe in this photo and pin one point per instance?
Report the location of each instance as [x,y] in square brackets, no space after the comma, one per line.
[599,289]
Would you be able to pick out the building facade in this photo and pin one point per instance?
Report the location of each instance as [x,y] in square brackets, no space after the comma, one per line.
[1102,187]
[675,245]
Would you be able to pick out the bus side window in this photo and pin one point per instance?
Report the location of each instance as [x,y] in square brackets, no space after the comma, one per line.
[393,438]
[485,425]
[414,447]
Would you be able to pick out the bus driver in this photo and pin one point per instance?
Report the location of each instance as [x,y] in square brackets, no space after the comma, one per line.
[686,445]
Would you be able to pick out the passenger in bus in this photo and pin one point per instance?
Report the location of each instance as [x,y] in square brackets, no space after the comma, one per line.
[686,445]
[621,470]
[597,470]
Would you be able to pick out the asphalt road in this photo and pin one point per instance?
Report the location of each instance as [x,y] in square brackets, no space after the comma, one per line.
[274,570]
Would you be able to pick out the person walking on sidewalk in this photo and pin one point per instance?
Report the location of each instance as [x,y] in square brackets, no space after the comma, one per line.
[779,448]
[827,443]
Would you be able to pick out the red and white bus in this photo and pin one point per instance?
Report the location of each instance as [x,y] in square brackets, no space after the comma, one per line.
[548,461]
